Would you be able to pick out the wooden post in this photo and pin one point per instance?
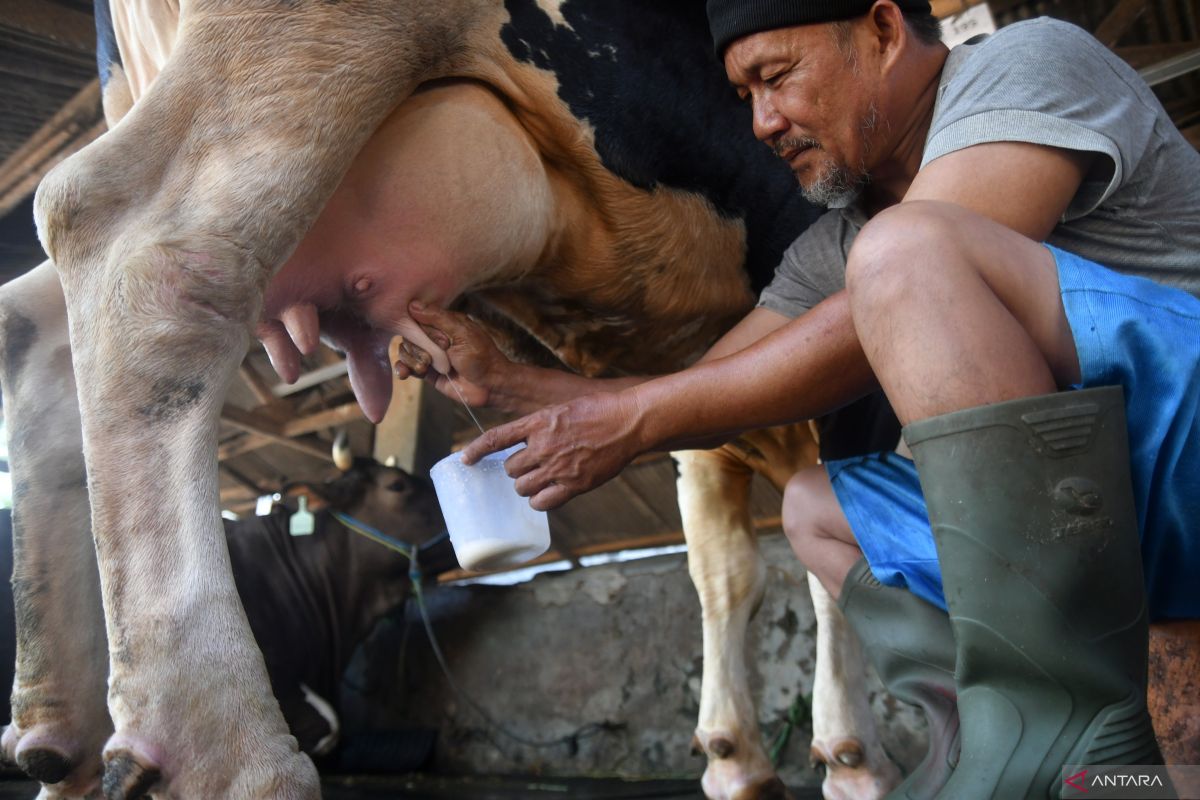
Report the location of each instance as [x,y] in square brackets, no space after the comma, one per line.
[418,428]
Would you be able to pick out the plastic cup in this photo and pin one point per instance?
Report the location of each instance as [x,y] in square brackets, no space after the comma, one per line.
[490,525]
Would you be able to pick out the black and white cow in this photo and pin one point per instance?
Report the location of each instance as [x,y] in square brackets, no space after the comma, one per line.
[578,171]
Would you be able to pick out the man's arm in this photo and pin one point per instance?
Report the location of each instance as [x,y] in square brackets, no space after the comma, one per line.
[804,368]
[1025,187]
[487,378]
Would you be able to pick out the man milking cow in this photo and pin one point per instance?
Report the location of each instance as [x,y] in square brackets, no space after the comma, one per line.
[1013,255]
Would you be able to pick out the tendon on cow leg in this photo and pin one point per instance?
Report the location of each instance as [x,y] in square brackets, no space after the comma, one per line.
[59,720]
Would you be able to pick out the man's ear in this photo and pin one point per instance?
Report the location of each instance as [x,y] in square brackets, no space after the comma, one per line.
[888,33]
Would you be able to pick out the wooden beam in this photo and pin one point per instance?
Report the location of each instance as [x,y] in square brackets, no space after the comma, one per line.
[254,382]
[36,72]
[82,109]
[269,429]
[1144,55]
[251,422]
[246,443]
[634,494]
[612,546]
[240,478]
[77,123]
[13,196]
[68,27]
[1171,68]
[311,379]
[418,428]
[329,418]
[948,8]
[1113,27]
[237,494]
[1192,134]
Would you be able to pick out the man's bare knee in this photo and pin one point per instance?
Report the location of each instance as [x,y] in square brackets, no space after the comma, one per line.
[810,510]
[889,260]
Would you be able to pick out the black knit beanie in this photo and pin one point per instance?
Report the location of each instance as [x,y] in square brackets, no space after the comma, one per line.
[733,19]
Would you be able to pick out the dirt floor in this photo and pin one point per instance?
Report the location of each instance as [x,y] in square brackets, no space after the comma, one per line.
[426,787]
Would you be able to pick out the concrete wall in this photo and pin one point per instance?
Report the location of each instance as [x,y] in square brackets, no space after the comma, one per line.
[611,653]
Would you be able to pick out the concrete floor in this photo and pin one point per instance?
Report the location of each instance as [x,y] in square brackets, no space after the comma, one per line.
[427,787]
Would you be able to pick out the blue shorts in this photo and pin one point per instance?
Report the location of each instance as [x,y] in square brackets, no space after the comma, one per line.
[1128,331]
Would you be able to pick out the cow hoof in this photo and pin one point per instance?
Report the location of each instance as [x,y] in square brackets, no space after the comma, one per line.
[44,763]
[126,777]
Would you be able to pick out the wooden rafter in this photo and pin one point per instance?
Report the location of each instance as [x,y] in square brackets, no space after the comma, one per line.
[267,428]
[55,23]
[1124,14]
[76,124]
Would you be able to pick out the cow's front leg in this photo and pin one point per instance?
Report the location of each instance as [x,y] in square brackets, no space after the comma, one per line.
[158,326]
[59,718]
[723,559]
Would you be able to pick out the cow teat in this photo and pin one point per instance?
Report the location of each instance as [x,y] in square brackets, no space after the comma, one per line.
[302,326]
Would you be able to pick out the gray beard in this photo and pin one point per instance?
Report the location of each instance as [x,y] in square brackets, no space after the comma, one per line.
[839,186]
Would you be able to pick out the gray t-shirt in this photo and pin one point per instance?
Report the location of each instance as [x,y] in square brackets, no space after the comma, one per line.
[1046,82]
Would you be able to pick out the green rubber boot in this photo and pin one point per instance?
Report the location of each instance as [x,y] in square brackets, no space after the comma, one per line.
[1032,510]
[911,646]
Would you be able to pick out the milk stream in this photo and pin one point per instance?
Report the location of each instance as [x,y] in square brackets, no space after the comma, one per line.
[489,552]
[462,399]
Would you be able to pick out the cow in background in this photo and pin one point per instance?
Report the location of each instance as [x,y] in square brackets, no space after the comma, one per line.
[602,198]
[310,600]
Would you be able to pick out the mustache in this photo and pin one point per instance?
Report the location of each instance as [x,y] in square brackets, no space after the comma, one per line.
[782,147]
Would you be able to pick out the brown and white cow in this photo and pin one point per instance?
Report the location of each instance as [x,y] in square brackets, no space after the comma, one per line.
[311,167]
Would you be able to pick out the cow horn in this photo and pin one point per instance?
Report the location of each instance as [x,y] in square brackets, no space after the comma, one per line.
[343,457]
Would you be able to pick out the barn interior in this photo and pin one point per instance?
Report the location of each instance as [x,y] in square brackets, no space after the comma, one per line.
[578,673]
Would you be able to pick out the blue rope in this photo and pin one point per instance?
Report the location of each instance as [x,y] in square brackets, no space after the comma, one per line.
[379,537]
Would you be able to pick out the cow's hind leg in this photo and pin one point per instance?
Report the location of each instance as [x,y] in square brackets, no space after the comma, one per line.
[845,738]
[59,718]
[723,559]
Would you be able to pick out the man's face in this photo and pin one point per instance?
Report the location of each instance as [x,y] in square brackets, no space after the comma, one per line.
[815,102]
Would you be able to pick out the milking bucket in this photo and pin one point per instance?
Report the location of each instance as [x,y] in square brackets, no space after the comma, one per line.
[490,525]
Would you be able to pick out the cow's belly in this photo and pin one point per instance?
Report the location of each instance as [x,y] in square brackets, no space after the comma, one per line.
[448,194]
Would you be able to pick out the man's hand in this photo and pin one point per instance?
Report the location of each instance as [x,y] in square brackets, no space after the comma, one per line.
[476,364]
[570,448]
